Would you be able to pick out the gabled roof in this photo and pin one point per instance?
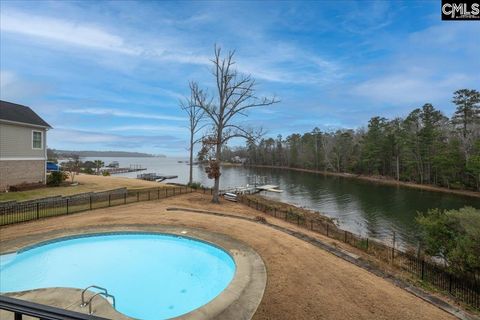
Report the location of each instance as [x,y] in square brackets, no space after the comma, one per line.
[22,114]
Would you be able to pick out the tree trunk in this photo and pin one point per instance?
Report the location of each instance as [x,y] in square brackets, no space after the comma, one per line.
[216,186]
[398,168]
[190,179]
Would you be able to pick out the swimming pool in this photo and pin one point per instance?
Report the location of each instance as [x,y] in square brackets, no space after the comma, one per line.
[152,276]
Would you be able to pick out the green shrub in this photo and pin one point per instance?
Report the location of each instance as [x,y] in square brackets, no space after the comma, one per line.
[454,236]
[105,173]
[195,185]
[56,178]
[88,170]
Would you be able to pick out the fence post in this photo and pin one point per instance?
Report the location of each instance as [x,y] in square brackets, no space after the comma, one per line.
[450,283]
[173,190]
[327,229]
[38,211]
[367,244]
[158,193]
[67,205]
[109,199]
[90,202]
[298,220]
[423,268]
[125,198]
[393,246]
[166,192]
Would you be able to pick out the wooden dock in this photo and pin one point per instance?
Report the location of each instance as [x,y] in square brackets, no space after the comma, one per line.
[131,168]
[155,177]
[248,189]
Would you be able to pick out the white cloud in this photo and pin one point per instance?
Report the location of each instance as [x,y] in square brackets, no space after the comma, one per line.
[16,89]
[410,87]
[277,62]
[149,128]
[119,113]
[426,66]
[6,78]
[92,36]
[63,31]
[61,137]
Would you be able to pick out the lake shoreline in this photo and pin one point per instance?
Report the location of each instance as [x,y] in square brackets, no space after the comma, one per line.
[374,179]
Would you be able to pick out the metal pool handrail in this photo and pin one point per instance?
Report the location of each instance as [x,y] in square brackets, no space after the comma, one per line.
[97,294]
[104,292]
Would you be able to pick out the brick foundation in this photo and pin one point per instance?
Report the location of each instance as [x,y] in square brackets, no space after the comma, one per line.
[13,172]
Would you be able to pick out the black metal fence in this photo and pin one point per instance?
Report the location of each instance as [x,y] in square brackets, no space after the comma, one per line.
[464,288]
[14,212]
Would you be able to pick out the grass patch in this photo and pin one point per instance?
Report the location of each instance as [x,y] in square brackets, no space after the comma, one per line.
[86,183]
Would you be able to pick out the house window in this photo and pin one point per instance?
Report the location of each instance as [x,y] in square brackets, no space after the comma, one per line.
[37,139]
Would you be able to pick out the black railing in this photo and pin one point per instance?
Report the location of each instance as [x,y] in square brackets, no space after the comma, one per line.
[14,212]
[21,308]
[463,287]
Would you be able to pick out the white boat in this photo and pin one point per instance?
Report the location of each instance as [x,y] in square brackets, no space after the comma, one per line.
[230,196]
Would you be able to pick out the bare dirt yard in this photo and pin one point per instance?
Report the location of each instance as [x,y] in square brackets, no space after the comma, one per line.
[304,281]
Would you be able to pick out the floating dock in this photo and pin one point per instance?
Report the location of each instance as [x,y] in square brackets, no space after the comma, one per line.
[155,177]
[269,187]
[131,168]
[252,189]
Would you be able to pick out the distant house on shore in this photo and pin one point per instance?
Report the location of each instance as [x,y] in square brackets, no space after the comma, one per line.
[23,146]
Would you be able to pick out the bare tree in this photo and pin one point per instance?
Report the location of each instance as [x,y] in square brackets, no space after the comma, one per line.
[73,166]
[195,116]
[235,95]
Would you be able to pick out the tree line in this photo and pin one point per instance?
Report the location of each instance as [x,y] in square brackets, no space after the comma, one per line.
[425,147]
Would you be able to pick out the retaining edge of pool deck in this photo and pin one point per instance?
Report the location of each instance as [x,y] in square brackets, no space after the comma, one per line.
[352,258]
[239,300]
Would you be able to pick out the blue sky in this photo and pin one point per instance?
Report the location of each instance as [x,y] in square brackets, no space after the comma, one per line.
[109,75]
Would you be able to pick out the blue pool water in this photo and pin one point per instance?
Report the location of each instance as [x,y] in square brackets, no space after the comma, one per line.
[152,276]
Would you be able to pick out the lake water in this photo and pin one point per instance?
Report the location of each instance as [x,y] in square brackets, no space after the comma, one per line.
[362,207]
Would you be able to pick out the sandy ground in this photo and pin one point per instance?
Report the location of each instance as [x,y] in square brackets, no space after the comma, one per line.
[86,183]
[304,282]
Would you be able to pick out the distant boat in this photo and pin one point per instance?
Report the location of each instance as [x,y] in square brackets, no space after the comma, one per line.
[113,164]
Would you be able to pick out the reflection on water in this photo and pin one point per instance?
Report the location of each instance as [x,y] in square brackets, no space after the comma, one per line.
[362,207]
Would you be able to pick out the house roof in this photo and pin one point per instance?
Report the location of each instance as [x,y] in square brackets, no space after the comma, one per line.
[22,114]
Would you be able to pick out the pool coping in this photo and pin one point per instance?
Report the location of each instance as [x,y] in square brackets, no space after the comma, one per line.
[239,300]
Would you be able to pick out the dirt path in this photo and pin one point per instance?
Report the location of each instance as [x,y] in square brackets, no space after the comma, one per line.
[304,282]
